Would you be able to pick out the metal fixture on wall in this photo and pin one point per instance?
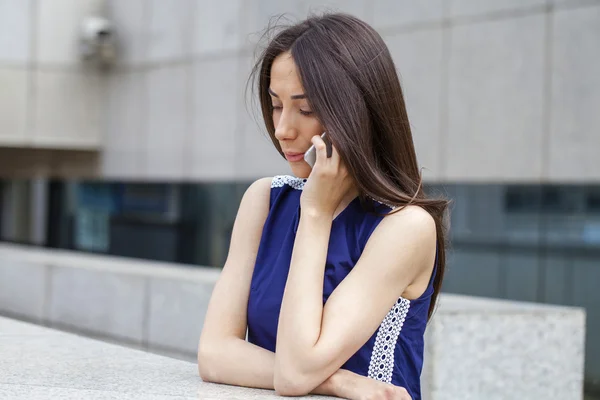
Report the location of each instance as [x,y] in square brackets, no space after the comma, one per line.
[97,42]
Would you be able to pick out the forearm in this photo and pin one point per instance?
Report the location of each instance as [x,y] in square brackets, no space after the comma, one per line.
[237,362]
[302,307]
[240,363]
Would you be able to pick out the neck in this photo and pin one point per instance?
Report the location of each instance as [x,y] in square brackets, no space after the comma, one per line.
[350,195]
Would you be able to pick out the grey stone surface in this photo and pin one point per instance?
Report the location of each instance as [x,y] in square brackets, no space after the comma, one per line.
[586,276]
[257,156]
[100,302]
[467,334]
[260,159]
[418,59]
[482,7]
[71,118]
[122,165]
[104,263]
[573,3]
[495,94]
[14,105]
[110,297]
[358,8]
[58,29]
[167,122]
[131,20]
[9,327]
[65,366]
[23,288]
[453,303]
[15,41]
[259,13]
[476,347]
[217,26]
[49,392]
[176,313]
[491,118]
[77,363]
[126,120]
[211,143]
[392,13]
[170,33]
[573,151]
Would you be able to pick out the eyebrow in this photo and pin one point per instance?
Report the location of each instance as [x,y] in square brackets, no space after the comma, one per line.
[293,97]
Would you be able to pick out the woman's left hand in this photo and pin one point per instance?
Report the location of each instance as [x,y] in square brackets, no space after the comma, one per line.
[328,182]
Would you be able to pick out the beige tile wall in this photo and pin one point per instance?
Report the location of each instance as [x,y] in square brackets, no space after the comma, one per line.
[500,92]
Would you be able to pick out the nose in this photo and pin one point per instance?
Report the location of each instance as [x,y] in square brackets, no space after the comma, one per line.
[285,129]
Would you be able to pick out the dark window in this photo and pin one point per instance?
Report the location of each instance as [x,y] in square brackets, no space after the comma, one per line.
[541,198]
[519,198]
[592,203]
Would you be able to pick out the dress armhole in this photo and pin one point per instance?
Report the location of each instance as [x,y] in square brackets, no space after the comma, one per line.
[372,223]
[271,195]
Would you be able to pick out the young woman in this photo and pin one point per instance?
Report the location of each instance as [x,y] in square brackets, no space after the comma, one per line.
[332,273]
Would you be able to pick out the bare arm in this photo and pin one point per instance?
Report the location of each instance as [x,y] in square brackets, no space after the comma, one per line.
[313,340]
[224,356]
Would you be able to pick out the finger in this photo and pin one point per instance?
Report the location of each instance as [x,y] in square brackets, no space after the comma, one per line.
[320,147]
[335,156]
[329,145]
[404,395]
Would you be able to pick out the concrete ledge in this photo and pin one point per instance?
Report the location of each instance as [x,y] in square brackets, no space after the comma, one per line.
[151,305]
[480,348]
[40,363]
[475,348]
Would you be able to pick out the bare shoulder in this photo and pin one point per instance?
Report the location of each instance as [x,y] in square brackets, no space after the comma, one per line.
[409,233]
[410,227]
[252,213]
[412,238]
[256,198]
[263,183]
[413,220]
[259,189]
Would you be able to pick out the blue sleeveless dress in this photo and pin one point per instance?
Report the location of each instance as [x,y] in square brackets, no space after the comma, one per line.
[394,354]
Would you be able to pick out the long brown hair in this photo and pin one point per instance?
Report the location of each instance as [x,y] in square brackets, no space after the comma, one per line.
[352,86]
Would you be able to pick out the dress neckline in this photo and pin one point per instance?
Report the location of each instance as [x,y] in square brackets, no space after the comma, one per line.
[348,206]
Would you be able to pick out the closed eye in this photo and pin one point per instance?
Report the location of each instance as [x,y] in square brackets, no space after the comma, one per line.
[305,113]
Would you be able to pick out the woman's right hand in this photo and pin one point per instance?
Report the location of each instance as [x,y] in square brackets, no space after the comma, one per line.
[370,389]
[357,387]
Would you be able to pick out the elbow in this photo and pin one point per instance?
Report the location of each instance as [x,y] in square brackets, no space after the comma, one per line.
[206,365]
[204,371]
[203,368]
[290,382]
[299,374]
[291,386]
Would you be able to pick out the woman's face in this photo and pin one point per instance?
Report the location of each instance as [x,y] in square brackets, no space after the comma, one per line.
[294,121]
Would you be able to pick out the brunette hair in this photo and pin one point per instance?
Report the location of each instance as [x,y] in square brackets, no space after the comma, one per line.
[352,87]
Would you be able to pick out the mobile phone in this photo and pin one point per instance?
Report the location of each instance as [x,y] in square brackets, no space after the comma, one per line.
[311,154]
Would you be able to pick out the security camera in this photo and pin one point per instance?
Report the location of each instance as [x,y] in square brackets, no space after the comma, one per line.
[97,40]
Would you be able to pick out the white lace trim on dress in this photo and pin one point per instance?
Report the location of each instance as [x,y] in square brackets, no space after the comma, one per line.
[381,365]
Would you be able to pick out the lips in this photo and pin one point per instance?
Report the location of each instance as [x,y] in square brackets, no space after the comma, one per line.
[294,156]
